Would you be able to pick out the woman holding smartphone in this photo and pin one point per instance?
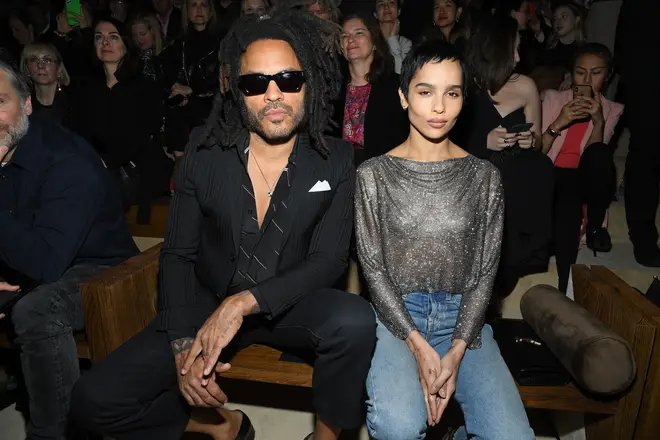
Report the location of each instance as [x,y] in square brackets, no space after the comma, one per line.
[429,222]
[578,125]
[495,125]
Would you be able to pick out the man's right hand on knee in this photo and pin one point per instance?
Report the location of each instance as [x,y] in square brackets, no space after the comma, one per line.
[198,392]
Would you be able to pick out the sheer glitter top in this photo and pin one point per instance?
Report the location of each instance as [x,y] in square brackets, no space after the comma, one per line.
[429,227]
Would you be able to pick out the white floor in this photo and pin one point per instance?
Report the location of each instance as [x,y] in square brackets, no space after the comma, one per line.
[279,424]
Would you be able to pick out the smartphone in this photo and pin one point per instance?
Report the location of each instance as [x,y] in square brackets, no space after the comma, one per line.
[74,7]
[519,128]
[584,91]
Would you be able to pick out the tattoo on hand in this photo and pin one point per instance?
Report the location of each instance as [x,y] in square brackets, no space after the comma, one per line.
[181,345]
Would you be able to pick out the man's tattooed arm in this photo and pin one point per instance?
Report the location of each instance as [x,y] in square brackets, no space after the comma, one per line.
[181,345]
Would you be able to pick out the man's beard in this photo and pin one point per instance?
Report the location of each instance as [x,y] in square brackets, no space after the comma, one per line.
[14,133]
[281,133]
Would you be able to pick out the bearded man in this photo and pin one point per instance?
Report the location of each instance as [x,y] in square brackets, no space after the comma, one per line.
[258,233]
[61,221]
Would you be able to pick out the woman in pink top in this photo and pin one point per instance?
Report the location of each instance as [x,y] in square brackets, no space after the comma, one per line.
[576,134]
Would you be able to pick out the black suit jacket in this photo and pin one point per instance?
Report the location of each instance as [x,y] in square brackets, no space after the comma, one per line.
[58,208]
[199,256]
[385,123]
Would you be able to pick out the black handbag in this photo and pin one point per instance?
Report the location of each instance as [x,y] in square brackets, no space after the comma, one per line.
[530,361]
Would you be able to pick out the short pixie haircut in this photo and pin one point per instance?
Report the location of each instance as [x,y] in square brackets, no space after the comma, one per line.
[430,51]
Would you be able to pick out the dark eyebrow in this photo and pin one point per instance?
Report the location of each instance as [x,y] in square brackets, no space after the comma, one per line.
[431,86]
[288,69]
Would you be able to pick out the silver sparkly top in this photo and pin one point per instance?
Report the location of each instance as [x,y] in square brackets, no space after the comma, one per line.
[429,227]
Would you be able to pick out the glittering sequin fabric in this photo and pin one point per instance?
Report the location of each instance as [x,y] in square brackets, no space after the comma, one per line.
[429,227]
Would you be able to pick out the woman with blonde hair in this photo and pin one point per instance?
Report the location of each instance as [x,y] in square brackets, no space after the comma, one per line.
[42,66]
[191,72]
[148,39]
[567,36]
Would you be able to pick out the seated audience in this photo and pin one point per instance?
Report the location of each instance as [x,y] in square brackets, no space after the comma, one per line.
[493,127]
[75,42]
[191,72]
[42,67]
[578,125]
[149,41]
[22,27]
[60,224]
[255,7]
[325,9]
[250,253]
[530,29]
[429,220]
[368,111]
[449,23]
[387,14]
[567,35]
[120,114]
[169,18]
[119,10]
[228,12]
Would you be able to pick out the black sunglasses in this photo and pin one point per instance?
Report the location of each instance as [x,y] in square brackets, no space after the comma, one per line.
[257,83]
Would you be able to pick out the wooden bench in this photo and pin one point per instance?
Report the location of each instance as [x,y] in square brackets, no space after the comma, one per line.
[120,302]
[158,222]
[615,303]
[117,303]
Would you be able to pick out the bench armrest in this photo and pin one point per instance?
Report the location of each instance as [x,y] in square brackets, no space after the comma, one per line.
[119,302]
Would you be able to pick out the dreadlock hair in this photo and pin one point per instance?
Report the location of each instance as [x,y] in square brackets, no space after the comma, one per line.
[315,43]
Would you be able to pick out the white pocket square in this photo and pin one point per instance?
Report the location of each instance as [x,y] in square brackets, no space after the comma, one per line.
[320,186]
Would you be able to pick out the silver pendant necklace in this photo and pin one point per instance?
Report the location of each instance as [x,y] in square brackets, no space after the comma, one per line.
[271,188]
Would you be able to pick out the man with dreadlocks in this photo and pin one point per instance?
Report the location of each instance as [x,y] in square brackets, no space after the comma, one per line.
[259,229]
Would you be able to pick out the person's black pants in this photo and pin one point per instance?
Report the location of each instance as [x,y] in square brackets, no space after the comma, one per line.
[45,320]
[132,394]
[593,183]
[642,174]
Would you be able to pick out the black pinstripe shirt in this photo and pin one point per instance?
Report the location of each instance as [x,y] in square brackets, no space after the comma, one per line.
[302,246]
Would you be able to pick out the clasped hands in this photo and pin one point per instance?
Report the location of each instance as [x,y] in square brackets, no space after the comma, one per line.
[198,365]
[436,375]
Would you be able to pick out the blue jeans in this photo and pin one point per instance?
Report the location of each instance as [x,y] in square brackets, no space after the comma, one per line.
[485,389]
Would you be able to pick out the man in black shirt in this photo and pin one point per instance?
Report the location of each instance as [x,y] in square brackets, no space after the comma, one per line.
[259,230]
[60,222]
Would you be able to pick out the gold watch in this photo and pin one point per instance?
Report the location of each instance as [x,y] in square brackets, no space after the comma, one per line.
[552,132]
